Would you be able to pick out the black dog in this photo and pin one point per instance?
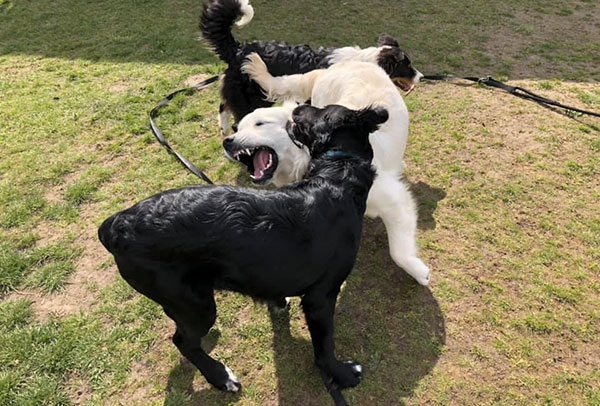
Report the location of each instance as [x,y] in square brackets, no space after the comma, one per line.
[299,240]
[241,96]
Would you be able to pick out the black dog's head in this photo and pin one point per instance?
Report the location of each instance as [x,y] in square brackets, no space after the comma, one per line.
[396,63]
[336,128]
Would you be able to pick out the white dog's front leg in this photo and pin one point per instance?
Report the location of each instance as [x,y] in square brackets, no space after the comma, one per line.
[391,200]
[296,87]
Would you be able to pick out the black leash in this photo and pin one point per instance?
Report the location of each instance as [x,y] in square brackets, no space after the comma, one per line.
[159,135]
[514,90]
[488,81]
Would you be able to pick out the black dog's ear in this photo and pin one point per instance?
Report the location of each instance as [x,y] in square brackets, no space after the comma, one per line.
[385,39]
[308,127]
[369,119]
[366,120]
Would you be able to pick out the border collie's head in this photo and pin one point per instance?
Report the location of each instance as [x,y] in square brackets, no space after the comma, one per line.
[396,63]
[336,129]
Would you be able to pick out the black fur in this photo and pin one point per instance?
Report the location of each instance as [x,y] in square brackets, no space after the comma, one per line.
[242,96]
[300,240]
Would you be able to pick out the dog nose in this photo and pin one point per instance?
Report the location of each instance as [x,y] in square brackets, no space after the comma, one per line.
[227,141]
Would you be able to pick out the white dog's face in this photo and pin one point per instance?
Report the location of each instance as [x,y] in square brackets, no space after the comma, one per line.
[263,145]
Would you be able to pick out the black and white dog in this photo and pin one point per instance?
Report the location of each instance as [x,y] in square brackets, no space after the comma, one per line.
[240,96]
[177,247]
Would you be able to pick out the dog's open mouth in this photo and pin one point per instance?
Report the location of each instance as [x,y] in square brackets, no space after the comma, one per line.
[405,84]
[260,161]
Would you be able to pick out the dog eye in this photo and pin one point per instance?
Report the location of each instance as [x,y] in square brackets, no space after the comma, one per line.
[259,123]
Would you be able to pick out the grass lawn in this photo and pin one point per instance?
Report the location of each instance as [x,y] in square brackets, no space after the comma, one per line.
[508,191]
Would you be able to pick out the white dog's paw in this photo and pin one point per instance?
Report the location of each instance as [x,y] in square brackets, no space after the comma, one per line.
[418,270]
[254,66]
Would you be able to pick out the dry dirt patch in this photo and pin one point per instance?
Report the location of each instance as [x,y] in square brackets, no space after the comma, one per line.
[509,43]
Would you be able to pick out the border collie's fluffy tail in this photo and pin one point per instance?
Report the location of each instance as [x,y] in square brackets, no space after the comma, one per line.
[217,19]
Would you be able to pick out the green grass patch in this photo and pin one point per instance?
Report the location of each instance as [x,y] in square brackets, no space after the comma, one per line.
[47,266]
[50,278]
[14,313]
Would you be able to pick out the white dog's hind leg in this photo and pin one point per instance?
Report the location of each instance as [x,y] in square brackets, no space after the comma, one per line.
[391,200]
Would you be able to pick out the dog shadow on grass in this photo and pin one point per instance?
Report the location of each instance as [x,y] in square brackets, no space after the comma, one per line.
[427,198]
[384,320]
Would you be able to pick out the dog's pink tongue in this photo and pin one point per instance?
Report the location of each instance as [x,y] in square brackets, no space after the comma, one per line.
[261,160]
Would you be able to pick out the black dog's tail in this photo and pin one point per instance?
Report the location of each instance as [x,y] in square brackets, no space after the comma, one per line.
[217,19]
[105,234]
[115,231]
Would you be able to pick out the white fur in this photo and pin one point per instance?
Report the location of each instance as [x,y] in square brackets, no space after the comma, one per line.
[293,161]
[232,384]
[355,85]
[365,55]
[247,13]
[354,54]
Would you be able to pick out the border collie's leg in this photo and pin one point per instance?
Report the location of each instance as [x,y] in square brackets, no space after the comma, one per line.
[280,305]
[391,200]
[224,119]
[319,310]
[194,318]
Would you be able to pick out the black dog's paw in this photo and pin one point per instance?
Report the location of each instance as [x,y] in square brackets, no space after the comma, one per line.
[343,375]
[356,368]
[228,382]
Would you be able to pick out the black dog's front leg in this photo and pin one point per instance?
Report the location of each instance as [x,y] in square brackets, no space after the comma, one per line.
[319,310]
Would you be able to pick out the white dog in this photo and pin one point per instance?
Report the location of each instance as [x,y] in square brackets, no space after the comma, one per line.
[262,142]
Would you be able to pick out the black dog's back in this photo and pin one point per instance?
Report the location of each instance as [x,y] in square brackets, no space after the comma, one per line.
[267,243]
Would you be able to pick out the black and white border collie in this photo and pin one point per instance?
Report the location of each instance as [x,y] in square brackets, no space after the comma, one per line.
[240,96]
[178,246]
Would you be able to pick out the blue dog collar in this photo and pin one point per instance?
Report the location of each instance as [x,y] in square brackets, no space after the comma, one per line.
[340,154]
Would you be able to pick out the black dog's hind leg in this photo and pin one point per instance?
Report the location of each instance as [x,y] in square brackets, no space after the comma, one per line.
[194,317]
[319,311]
